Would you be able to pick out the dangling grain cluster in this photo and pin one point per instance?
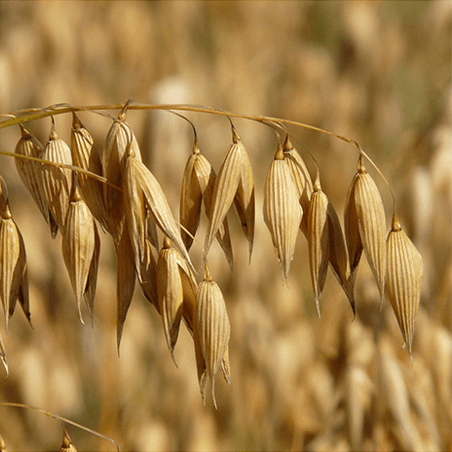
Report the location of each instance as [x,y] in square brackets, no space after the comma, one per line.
[282,209]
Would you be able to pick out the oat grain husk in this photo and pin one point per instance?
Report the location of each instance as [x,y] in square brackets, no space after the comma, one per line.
[234,184]
[158,206]
[365,226]
[403,281]
[170,293]
[86,156]
[30,171]
[125,284]
[13,270]
[213,329]
[81,248]
[301,177]
[56,183]
[318,240]
[282,210]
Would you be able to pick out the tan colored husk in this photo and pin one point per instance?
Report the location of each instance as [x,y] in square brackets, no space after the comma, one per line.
[282,210]
[206,177]
[158,206]
[120,143]
[5,210]
[233,184]
[86,156]
[190,201]
[351,229]
[371,223]
[29,171]
[403,282]
[301,177]
[56,183]
[244,200]
[318,240]
[338,257]
[135,211]
[125,283]
[79,243]
[170,294]
[13,270]
[213,328]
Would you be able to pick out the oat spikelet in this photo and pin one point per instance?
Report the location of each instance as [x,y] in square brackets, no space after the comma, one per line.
[135,211]
[158,206]
[206,177]
[365,214]
[318,240]
[213,328]
[403,282]
[190,201]
[282,210]
[13,261]
[301,177]
[56,183]
[234,184]
[80,247]
[170,293]
[29,171]
[86,156]
[119,144]
[125,283]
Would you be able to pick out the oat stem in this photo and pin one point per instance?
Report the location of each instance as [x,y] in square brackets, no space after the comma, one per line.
[61,419]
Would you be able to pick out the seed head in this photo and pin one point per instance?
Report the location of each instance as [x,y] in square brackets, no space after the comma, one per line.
[282,210]
[403,281]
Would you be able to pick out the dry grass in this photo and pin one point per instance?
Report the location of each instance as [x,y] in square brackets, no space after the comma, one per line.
[375,72]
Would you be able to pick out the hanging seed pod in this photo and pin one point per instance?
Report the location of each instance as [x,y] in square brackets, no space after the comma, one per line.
[170,293]
[365,213]
[244,199]
[190,201]
[30,171]
[81,249]
[318,239]
[85,155]
[56,182]
[338,257]
[119,144]
[13,270]
[125,283]
[301,177]
[234,184]
[5,211]
[213,328]
[135,211]
[158,206]
[197,184]
[282,210]
[403,281]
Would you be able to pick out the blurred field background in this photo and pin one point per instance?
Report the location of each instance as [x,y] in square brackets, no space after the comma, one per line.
[376,72]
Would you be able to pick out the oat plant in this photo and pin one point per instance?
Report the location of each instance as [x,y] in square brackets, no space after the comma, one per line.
[86,191]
